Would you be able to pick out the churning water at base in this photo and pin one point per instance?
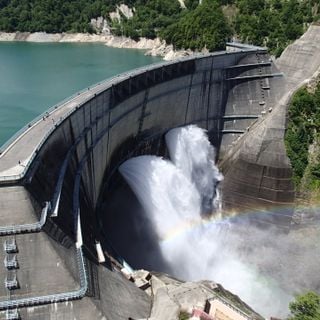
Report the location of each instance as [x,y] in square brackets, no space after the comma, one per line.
[176,193]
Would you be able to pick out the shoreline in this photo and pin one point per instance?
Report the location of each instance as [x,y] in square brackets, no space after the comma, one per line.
[153,47]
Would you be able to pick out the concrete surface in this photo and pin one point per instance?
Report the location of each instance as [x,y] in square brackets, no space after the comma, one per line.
[100,128]
[171,297]
[44,273]
[301,60]
[257,169]
[17,202]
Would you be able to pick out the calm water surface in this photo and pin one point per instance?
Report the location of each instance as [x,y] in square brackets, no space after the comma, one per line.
[35,76]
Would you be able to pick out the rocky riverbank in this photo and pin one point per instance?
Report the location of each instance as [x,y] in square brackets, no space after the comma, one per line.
[154,47]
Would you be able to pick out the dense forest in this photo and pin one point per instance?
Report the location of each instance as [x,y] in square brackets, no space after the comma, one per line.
[303,138]
[273,23]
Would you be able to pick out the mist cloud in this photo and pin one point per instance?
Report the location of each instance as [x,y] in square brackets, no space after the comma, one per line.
[264,266]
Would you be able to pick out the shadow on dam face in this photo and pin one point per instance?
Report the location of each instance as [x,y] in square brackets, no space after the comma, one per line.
[128,229]
[75,167]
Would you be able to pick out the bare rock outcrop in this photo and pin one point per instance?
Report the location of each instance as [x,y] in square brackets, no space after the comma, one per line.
[122,9]
[101,26]
[153,47]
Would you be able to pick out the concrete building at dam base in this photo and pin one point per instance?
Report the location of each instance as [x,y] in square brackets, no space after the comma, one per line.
[60,187]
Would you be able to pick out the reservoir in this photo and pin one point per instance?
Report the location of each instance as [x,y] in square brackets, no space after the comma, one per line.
[35,76]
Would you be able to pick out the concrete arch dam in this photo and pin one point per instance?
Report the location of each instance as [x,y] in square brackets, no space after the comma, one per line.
[56,172]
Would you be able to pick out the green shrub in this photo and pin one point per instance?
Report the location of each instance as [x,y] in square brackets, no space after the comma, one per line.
[305,307]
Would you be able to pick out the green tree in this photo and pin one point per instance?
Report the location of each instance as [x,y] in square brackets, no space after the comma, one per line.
[303,129]
[206,26]
[274,23]
[305,307]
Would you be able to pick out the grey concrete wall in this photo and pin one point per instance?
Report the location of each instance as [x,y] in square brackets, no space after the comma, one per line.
[148,103]
[106,130]
[128,118]
[255,164]
[77,162]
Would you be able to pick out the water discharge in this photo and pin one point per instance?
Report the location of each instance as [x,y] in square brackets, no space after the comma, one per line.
[192,153]
[176,193]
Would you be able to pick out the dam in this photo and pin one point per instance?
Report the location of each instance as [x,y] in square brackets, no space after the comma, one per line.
[56,172]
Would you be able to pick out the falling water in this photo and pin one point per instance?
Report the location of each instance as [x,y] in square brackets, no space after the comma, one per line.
[192,153]
[175,194]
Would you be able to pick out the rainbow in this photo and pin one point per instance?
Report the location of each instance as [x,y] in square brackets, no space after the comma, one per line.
[224,218]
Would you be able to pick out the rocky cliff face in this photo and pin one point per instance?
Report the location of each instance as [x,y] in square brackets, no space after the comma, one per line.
[124,10]
[101,24]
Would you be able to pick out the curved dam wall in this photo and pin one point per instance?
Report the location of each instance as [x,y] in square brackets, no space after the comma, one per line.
[88,146]
[231,94]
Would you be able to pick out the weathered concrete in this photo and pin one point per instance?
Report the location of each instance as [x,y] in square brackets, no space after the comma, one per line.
[16,155]
[70,157]
[172,296]
[301,60]
[17,202]
[44,273]
[257,169]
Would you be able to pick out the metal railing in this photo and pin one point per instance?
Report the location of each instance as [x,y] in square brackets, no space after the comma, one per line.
[12,315]
[53,298]
[11,284]
[111,80]
[11,262]
[244,46]
[37,226]
[29,227]
[10,246]
[95,89]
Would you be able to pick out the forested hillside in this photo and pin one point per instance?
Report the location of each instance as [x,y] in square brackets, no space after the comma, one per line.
[273,23]
[303,138]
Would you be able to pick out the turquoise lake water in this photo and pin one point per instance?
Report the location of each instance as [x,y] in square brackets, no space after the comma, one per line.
[35,76]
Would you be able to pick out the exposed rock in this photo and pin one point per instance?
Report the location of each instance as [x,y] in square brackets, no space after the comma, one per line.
[121,9]
[7,36]
[21,36]
[124,42]
[44,37]
[155,47]
[160,48]
[83,37]
[101,26]
[182,4]
[126,11]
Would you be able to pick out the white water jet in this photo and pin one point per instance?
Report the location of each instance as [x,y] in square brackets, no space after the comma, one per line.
[164,191]
[191,151]
[173,195]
